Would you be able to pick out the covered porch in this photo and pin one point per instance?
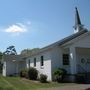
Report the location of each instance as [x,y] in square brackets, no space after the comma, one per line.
[12,65]
[79,60]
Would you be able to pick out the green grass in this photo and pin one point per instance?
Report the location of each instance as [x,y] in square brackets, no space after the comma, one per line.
[17,83]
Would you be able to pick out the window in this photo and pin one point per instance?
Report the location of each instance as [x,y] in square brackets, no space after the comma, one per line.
[29,62]
[34,62]
[65,59]
[42,61]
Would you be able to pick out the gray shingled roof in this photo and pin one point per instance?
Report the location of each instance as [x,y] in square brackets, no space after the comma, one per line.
[73,36]
[61,42]
[66,39]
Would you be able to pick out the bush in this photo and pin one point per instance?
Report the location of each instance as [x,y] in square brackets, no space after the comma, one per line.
[1,67]
[24,73]
[32,73]
[43,78]
[59,74]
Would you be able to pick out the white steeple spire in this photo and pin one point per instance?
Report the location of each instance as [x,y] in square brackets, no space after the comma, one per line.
[78,26]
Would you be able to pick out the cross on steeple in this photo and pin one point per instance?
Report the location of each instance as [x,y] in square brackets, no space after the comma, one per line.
[78,26]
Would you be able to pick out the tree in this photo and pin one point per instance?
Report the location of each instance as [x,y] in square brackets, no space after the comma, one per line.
[1,54]
[60,74]
[28,52]
[10,51]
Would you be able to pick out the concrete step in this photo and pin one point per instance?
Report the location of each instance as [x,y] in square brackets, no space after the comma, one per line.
[88,78]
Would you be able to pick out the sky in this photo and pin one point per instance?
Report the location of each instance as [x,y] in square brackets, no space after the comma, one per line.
[38,23]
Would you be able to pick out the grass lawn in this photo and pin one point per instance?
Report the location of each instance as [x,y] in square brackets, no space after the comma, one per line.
[17,83]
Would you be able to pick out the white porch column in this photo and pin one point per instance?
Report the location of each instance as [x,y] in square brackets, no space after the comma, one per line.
[73,60]
[27,63]
[4,69]
[17,70]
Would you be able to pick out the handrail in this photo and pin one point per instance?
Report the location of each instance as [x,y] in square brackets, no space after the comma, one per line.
[82,68]
[85,72]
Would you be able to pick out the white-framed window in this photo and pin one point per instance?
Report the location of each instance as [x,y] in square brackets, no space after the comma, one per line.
[65,59]
[42,61]
[34,62]
[29,62]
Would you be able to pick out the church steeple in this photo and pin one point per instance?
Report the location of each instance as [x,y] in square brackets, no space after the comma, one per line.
[78,26]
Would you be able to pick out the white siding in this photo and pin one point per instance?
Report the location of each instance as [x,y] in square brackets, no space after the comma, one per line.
[46,69]
[83,42]
[56,56]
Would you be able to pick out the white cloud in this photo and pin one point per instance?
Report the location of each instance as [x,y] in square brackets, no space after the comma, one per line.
[16,28]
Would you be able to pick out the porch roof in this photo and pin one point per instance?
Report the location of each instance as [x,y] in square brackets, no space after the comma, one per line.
[13,58]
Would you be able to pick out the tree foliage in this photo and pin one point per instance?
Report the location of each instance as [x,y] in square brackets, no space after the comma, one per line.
[1,62]
[28,52]
[32,73]
[1,54]
[60,74]
[10,51]
[43,78]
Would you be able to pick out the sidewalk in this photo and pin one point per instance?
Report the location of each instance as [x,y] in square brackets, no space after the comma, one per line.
[73,87]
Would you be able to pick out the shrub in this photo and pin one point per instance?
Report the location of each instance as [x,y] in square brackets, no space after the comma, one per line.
[1,67]
[59,74]
[24,73]
[43,78]
[32,73]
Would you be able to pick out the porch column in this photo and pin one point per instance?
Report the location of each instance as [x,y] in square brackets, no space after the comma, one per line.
[17,68]
[73,62]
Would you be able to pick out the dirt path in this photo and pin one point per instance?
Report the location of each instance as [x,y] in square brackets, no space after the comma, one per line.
[69,87]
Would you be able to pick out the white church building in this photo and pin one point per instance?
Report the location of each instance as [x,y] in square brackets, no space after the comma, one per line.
[71,53]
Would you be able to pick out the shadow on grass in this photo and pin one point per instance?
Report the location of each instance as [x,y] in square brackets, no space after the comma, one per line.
[6,88]
[87,89]
[84,82]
